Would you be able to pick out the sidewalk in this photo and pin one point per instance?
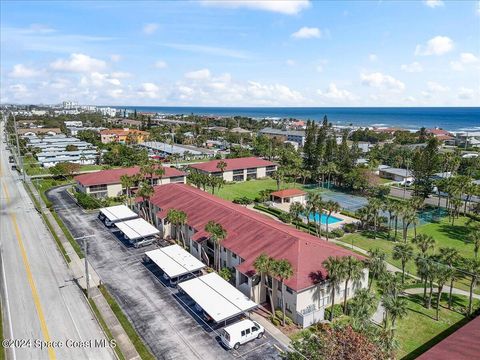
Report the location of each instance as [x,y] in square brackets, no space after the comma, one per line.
[272,329]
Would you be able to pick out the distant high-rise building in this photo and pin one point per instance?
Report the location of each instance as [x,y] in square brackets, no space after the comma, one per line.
[70,105]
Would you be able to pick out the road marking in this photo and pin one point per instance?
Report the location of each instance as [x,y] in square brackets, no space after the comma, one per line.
[9,315]
[31,281]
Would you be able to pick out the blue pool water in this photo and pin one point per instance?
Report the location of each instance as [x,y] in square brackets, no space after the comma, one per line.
[323,219]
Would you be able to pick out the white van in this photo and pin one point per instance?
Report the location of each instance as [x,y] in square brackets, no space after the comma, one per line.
[240,333]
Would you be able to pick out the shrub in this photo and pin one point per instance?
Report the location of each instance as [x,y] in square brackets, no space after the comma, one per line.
[275,321]
[337,311]
[350,228]
[242,200]
[337,233]
[284,217]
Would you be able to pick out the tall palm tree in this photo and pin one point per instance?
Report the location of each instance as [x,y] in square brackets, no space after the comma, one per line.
[145,191]
[159,171]
[330,207]
[362,306]
[296,210]
[450,256]
[443,273]
[352,270]
[147,170]
[374,206]
[376,264]
[331,169]
[127,183]
[283,270]
[473,267]
[178,218]
[222,165]
[396,307]
[217,234]
[315,205]
[474,237]
[333,265]
[404,253]
[397,211]
[263,265]
[423,267]
[424,243]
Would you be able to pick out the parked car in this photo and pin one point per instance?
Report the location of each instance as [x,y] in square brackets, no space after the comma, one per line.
[240,333]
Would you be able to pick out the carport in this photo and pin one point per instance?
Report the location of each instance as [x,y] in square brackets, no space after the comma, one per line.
[175,262]
[138,231]
[217,297]
[114,214]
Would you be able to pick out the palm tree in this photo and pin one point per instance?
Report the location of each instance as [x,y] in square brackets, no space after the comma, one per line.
[424,242]
[145,191]
[330,207]
[396,307]
[397,211]
[423,267]
[159,171]
[147,170]
[409,215]
[473,267]
[404,253]
[296,209]
[376,264]
[217,234]
[443,273]
[362,306]
[450,256]
[315,205]
[283,270]
[352,270]
[263,265]
[331,169]
[474,237]
[178,218]
[127,183]
[374,205]
[222,165]
[333,265]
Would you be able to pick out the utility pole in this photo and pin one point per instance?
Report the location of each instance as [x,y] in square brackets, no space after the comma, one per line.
[85,251]
[19,160]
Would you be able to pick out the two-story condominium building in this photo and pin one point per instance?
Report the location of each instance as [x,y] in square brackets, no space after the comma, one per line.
[250,234]
[239,169]
[125,136]
[297,136]
[107,183]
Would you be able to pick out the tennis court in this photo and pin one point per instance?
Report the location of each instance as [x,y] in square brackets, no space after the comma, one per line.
[346,201]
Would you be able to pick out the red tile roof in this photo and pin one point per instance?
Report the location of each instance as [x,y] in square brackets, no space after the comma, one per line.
[463,344]
[437,132]
[288,193]
[105,177]
[249,233]
[232,164]
[119,132]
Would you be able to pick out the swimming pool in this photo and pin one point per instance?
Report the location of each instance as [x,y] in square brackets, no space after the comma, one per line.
[323,219]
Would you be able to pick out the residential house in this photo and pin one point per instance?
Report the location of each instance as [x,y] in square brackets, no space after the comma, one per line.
[125,136]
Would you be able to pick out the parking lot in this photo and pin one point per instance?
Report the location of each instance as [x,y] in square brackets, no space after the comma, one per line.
[166,320]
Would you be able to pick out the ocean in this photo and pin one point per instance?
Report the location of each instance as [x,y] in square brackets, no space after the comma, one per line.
[411,118]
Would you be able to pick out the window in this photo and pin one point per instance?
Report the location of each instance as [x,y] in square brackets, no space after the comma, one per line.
[254,328]
[95,188]
[238,172]
[243,332]
[247,331]
[290,291]
[288,308]
[238,178]
[234,255]
[177,179]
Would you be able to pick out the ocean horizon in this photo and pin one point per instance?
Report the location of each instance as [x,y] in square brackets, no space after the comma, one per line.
[410,118]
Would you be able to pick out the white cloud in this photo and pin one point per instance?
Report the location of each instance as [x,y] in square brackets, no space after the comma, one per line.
[160,64]
[438,45]
[78,63]
[433,3]
[436,87]
[99,80]
[468,58]
[210,50]
[149,90]
[115,57]
[22,71]
[373,57]
[414,67]
[380,80]
[336,94]
[18,90]
[121,74]
[307,33]
[201,74]
[150,28]
[465,93]
[288,7]
[290,62]
[464,60]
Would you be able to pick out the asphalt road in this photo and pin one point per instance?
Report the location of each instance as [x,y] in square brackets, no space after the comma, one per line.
[162,318]
[40,302]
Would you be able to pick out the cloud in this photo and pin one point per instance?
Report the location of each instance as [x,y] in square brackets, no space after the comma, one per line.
[21,71]
[209,50]
[373,57]
[149,90]
[287,7]
[438,45]
[465,93]
[436,87]
[160,64]
[115,57]
[78,63]
[464,60]
[121,75]
[433,3]
[290,62]
[150,28]
[414,67]
[383,81]
[307,33]
[97,79]
[198,75]
[336,94]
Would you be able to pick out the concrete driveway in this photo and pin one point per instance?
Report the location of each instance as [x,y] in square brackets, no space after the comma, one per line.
[166,324]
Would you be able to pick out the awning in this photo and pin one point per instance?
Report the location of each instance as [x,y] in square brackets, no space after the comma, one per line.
[175,261]
[137,229]
[217,297]
[118,213]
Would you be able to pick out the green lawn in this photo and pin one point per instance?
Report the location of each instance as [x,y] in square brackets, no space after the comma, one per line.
[444,234]
[33,168]
[419,330]
[249,189]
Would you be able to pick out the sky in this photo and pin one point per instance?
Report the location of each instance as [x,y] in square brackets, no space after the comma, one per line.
[241,53]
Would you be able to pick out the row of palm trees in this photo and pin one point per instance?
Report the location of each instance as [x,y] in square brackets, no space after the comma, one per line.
[202,180]
[455,188]
[315,206]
